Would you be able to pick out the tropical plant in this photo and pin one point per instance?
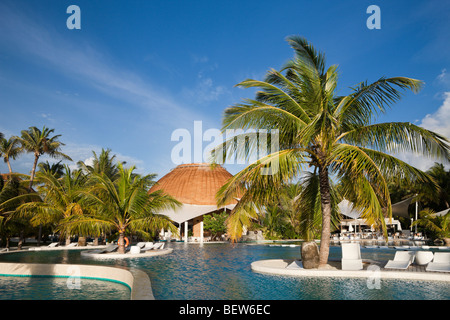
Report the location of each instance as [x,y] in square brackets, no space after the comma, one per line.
[61,198]
[436,226]
[55,169]
[215,224]
[331,134]
[9,149]
[123,205]
[13,193]
[441,199]
[39,142]
[102,164]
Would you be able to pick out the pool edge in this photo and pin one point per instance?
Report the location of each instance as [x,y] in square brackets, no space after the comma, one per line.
[137,280]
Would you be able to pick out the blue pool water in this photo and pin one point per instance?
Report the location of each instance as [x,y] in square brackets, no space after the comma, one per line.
[222,271]
[49,288]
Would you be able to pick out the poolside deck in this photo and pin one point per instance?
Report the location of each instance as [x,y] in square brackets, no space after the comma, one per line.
[333,269]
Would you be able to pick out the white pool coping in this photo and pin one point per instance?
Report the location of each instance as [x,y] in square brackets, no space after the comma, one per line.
[278,267]
[137,280]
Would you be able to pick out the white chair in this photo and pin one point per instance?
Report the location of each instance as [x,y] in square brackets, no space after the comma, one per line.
[158,246]
[440,263]
[73,244]
[52,245]
[423,257]
[141,244]
[135,250]
[148,246]
[402,260]
[351,256]
[296,264]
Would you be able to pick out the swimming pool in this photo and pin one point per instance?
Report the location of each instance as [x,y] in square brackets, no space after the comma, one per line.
[222,271]
[51,288]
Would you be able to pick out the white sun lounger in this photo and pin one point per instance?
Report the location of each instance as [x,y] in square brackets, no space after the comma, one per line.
[148,246]
[296,264]
[440,263]
[53,244]
[158,246]
[73,244]
[402,260]
[141,244]
[351,256]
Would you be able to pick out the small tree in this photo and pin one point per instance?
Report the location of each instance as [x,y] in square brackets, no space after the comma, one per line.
[216,224]
[437,226]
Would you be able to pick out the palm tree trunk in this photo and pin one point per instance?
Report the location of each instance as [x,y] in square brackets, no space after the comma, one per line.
[121,243]
[33,171]
[21,238]
[325,198]
[9,166]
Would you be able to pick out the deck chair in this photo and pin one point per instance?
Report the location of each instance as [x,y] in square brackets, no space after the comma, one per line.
[402,260]
[440,263]
[110,248]
[351,256]
[141,244]
[71,245]
[53,244]
[158,246]
[296,264]
[148,246]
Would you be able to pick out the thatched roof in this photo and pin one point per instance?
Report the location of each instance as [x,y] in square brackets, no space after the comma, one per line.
[195,183]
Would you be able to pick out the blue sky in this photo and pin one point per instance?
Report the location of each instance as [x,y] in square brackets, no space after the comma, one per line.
[138,70]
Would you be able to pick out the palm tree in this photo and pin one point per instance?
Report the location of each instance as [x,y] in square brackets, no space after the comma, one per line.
[102,164]
[123,204]
[61,198]
[437,225]
[56,169]
[442,178]
[330,134]
[9,149]
[14,193]
[39,142]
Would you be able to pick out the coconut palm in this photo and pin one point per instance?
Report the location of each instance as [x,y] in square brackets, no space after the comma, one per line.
[14,193]
[442,178]
[437,225]
[322,131]
[9,149]
[61,198]
[56,169]
[123,205]
[40,142]
[102,164]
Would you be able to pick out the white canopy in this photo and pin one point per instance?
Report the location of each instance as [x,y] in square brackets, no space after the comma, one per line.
[190,211]
[441,213]
[347,209]
[398,209]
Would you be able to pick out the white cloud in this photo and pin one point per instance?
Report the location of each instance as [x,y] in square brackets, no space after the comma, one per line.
[204,91]
[438,122]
